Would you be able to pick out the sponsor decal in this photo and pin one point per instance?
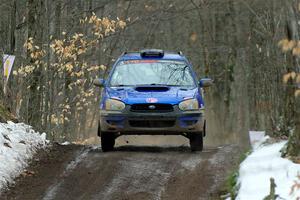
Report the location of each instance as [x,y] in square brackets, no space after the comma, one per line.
[126,62]
[152,107]
[139,61]
[151,100]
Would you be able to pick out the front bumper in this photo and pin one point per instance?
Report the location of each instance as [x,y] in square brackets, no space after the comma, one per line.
[176,122]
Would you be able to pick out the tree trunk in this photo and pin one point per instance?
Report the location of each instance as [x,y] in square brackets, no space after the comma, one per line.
[35,31]
[294,140]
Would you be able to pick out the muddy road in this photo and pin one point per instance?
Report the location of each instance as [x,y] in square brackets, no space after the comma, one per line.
[129,173]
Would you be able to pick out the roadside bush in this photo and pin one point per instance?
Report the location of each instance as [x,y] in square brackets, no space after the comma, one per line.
[56,90]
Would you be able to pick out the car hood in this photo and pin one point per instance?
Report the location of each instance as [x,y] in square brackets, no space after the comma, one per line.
[132,95]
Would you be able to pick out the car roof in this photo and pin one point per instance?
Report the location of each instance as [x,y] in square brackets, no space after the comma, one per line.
[166,56]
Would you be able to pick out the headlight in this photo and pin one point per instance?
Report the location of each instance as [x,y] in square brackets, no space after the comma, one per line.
[112,104]
[190,104]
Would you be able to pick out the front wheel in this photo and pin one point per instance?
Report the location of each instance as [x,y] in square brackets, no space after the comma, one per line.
[196,141]
[107,141]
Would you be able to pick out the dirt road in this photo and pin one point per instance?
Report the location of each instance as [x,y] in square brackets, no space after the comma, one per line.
[129,173]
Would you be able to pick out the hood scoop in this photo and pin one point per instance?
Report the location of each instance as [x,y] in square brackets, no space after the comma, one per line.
[151,89]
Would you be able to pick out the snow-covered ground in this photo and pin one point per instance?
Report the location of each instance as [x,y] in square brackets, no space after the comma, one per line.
[18,143]
[263,163]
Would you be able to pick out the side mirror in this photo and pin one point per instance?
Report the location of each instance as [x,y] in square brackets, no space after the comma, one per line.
[99,82]
[205,82]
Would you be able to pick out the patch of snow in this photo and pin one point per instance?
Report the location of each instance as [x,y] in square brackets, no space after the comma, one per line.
[18,143]
[191,163]
[146,175]
[263,163]
[72,165]
[53,189]
[66,143]
[257,138]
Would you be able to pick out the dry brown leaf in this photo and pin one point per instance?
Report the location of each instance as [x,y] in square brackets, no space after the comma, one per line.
[293,75]
[27,173]
[286,77]
[193,37]
[297,93]
[291,44]
[283,44]
[287,45]
[296,51]
[298,78]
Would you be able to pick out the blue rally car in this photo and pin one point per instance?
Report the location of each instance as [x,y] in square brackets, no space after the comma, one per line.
[152,92]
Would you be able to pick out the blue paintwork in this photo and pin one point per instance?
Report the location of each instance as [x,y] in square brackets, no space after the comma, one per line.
[174,95]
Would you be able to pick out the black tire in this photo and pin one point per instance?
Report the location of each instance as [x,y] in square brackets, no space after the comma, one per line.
[99,130]
[204,129]
[107,141]
[196,141]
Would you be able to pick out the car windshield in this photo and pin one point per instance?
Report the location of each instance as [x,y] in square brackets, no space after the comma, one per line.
[152,72]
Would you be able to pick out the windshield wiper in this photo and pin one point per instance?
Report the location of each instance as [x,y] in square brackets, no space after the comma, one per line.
[151,84]
[121,85]
[160,84]
[173,85]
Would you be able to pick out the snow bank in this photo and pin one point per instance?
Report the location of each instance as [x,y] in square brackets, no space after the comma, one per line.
[257,138]
[264,163]
[18,143]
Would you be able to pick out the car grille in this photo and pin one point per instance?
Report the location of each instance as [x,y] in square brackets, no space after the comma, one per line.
[148,107]
[151,123]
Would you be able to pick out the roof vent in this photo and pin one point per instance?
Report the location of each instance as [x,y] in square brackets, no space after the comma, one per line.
[152,53]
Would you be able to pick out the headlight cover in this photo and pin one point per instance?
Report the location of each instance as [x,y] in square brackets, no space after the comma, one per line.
[190,104]
[114,105]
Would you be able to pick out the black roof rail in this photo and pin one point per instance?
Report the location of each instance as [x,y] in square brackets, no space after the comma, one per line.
[152,53]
